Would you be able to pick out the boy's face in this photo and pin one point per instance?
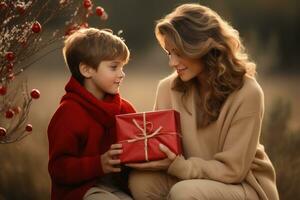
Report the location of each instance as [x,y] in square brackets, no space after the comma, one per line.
[108,76]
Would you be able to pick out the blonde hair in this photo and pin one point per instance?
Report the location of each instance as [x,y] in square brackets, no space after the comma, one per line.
[91,46]
[198,32]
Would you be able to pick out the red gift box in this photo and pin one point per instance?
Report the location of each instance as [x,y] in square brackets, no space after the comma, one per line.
[141,133]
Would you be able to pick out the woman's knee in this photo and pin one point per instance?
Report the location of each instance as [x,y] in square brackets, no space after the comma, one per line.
[137,182]
[184,190]
[146,185]
[204,190]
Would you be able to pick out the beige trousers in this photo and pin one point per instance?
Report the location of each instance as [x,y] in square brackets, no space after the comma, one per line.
[102,192]
[146,185]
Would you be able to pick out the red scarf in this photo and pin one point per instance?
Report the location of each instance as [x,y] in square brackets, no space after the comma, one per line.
[103,111]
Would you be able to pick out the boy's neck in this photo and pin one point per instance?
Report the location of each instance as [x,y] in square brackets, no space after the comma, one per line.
[99,94]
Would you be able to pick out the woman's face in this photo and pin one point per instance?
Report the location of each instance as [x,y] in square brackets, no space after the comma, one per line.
[186,68]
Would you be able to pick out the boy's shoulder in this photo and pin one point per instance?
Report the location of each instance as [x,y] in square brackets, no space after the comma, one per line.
[69,107]
[69,113]
[127,106]
[68,120]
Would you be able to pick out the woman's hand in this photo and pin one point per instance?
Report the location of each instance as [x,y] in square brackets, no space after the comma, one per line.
[156,165]
[110,160]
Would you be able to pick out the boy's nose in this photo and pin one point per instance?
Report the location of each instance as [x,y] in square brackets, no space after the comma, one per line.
[122,74]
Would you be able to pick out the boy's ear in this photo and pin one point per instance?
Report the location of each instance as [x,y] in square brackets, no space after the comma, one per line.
[85,70]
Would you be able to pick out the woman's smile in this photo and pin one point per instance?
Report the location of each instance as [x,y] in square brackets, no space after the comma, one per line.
[180,70]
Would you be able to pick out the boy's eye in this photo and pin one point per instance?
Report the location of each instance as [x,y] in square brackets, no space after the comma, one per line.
[114,67]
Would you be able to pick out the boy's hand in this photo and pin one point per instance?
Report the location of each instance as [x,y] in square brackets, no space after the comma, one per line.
[110,160]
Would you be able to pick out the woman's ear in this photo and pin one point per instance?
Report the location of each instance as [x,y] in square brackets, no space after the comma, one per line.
[85,70]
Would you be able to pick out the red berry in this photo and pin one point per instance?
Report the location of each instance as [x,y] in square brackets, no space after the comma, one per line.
[28,128]
[36,27]
[3,5]
[3,90]
[9,114]
[35,94]
[21,9]
[99,11]
[2,132]
[10,56]
[87,4]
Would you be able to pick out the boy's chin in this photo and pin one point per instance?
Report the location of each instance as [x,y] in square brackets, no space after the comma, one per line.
[113,92]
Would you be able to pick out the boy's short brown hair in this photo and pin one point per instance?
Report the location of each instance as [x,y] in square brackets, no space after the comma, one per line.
[91,46]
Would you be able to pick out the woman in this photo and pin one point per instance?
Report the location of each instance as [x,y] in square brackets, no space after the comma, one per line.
[221,107]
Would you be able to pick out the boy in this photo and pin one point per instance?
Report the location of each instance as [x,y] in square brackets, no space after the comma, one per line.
[82,153]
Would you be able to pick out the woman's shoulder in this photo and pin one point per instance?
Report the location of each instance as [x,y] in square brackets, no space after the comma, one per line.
[251,89]
[249,98]
[167,82]
[163,93]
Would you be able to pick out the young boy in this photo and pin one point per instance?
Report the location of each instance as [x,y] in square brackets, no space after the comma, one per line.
[82,153]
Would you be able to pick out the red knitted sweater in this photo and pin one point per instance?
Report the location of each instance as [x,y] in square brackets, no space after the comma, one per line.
[80,131]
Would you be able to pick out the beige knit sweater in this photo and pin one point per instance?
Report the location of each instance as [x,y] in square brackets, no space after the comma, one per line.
[228,150]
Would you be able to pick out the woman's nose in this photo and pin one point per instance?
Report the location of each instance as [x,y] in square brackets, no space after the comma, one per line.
[173,61]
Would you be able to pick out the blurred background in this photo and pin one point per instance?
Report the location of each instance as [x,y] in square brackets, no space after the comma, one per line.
[268,30]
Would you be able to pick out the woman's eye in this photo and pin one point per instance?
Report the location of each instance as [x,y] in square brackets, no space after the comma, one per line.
[176,54]
[168,53]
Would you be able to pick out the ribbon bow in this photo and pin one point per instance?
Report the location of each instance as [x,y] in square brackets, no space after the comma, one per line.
[144,135]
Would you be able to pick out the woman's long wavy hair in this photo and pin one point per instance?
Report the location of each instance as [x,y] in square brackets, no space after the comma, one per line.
[198,32]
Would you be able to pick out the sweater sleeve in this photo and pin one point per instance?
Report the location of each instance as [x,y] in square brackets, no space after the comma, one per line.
[230,165]
[66,166]
[233,161]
